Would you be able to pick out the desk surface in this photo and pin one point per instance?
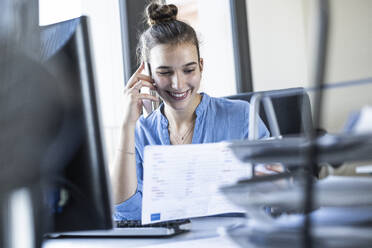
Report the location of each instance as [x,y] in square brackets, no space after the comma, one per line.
[204,232]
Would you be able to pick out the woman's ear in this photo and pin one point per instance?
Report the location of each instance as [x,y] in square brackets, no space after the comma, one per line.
[201,64]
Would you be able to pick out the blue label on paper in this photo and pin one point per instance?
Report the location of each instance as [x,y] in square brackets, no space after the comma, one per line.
[155,216]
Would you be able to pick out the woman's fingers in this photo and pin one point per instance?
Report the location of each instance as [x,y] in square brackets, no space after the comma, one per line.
[133,79]
[148,97]
[135,91]
[145,78]
[140,68]
[275,167]
[137,76]
[137,86]
[268,169]
[258,173]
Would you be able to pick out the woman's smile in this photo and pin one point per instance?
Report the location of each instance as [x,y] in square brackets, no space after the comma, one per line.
[179,96]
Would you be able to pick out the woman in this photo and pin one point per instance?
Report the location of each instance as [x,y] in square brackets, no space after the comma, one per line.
[171,48]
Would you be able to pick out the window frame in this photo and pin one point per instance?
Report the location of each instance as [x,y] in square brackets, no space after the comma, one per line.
[242,55]
[131,22]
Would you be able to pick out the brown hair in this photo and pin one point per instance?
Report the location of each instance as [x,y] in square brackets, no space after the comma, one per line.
[164,28]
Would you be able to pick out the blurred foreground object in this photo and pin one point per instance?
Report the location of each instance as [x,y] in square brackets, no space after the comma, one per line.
[31,116]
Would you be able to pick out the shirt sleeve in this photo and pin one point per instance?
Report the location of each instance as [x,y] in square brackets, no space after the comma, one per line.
[131,209]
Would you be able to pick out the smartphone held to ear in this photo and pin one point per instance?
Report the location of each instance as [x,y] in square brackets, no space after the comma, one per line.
[148,105]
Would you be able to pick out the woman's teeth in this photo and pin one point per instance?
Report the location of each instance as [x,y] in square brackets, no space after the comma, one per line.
[179,96]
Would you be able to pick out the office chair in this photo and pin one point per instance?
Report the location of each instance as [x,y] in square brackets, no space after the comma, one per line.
[291,106]
[292,109]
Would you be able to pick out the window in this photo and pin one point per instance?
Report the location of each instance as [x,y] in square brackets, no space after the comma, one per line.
[53,11]
[106,45]
[212,23]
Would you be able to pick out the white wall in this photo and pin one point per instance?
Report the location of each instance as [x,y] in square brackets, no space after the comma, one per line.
[281,42]
[217,48]
[53,11]
[105,30]
[213,27]
[105,33]
[277,44]
[349,58]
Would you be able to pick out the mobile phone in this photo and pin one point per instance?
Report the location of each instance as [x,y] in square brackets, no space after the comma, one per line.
[148,105]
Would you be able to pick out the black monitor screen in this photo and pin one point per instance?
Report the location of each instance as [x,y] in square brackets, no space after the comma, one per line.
[79,195]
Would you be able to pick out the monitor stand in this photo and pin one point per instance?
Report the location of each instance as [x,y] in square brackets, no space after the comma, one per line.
[17,229]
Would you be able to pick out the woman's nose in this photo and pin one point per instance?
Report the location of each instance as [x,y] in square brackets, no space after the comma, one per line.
[177,81]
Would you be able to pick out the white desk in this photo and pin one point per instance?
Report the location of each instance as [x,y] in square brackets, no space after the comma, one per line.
[203,233]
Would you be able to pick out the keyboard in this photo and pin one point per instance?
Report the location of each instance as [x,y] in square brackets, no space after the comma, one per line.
[157,229]
[133,228]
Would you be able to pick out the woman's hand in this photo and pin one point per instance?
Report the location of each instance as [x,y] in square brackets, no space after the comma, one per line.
[133,97]
[268,169]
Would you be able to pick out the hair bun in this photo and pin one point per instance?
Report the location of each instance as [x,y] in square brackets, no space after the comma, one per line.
[158,13]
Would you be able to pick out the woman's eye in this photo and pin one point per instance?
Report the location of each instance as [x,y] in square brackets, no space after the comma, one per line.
[189,71]
[164,72]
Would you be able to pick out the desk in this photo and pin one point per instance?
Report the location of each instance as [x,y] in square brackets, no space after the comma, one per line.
[203,233]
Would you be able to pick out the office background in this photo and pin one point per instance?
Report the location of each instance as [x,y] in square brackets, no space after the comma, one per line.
[280,37]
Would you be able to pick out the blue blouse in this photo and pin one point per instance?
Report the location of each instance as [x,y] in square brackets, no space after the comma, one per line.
[217,119]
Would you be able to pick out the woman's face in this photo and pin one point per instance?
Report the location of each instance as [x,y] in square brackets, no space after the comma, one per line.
[177,74]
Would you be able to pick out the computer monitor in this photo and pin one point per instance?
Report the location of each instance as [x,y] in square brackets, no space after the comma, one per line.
[79,194]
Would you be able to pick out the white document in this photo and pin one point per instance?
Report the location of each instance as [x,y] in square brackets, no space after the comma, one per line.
[183,181]
[364,123]
[364,169]
[215,242]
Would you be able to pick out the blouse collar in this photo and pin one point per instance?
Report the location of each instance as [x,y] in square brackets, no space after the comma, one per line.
[200,109]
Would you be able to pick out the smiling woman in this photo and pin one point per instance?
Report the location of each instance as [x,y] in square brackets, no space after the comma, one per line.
[177,75]
[171,49]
